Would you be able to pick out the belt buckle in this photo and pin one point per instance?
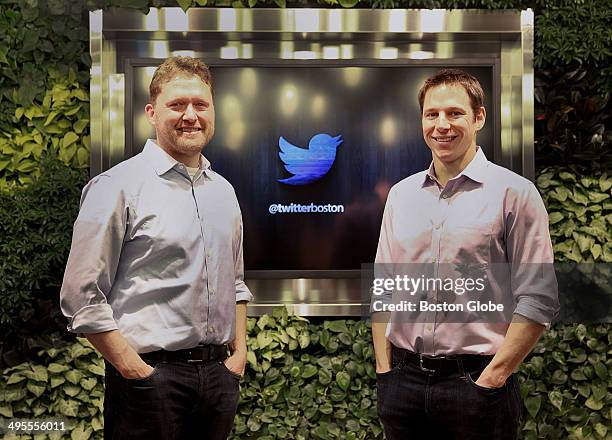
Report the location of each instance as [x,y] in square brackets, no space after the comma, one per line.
[190,358]
[423,369]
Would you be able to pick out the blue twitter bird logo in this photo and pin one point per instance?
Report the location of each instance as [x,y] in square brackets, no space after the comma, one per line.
[308,165]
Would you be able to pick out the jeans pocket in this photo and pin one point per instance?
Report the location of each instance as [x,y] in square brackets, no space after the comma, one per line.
[386,374]
[144,379]
[491,391]
[230,372]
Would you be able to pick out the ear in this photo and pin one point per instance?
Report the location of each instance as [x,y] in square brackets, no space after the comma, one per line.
[150,112]
[481,117]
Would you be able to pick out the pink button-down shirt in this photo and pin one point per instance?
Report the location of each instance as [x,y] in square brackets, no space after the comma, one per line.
[485,215]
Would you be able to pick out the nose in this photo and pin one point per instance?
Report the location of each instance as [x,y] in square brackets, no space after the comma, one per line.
[189,114]
[442,123]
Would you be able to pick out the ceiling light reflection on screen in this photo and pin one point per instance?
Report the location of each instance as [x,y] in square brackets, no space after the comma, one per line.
[352,76]
[318,106]
[289,99]
[231,114]
[248,83]
[388,131]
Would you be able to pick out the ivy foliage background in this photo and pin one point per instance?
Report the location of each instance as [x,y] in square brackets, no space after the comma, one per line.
[307,380]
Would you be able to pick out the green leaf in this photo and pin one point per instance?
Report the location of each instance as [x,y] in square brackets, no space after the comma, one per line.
[337,326]
[74,376]
[40,373]
[184,4]
[15,378]
[309,371]
[601,370]
[69,138]
[57,368]
[6,410]
[80,125]
[601,430]
[593,404]
[556,398]
[35,389]
[97,370]
[348,3]
[88,384]
[304,340]
[263,321]
[263,339]
[533,403]
[605,183]
[56,381]
[555,217]
[343,379]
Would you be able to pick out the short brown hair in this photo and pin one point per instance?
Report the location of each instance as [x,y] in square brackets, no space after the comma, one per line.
[455,77]
[178,66]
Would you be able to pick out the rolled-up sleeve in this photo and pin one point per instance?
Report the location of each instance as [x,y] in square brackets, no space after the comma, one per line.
[242,291]
[97,241]
[384,263]
[530,254]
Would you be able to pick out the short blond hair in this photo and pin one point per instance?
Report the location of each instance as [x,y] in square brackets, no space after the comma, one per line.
[178,66]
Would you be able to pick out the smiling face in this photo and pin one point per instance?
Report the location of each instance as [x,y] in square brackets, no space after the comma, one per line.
[450,126]
[183,115]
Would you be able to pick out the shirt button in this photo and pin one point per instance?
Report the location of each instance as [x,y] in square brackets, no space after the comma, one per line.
[212,291]
[428,328]
[435,260]
[211,329]
[437,226]
[445,196]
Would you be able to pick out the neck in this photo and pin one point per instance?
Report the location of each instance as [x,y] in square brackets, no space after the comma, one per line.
[448,170]
[187,159]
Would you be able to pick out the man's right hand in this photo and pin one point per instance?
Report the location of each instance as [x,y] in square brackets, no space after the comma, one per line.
[383,370]
[140,371]
[116,350]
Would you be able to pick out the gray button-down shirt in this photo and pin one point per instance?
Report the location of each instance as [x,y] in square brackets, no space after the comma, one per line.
[488,215]
[156,255]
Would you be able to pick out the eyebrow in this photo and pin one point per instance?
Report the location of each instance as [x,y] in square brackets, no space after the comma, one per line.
[435,109]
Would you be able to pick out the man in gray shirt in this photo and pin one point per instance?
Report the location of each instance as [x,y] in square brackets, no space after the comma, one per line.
[155,274]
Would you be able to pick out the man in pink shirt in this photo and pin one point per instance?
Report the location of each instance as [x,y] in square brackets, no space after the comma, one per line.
[452,378]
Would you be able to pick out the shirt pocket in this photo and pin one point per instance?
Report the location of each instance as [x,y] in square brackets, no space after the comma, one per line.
[468,243]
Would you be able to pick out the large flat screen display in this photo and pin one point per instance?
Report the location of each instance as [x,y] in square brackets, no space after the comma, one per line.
[312,152]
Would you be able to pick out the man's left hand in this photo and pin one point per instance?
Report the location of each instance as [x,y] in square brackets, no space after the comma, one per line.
[236,362]
[489,379]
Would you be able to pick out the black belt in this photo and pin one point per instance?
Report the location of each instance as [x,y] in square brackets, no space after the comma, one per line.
[200,353]
[450,364]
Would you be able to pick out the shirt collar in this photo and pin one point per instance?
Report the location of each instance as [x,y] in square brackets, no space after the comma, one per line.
[162,162]
[475,170]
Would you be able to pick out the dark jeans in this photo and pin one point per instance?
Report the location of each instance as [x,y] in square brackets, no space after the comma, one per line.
[415,405]
[180,400]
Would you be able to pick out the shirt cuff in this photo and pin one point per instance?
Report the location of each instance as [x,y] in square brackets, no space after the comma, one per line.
[536,312]
[244,295]
[95,318]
